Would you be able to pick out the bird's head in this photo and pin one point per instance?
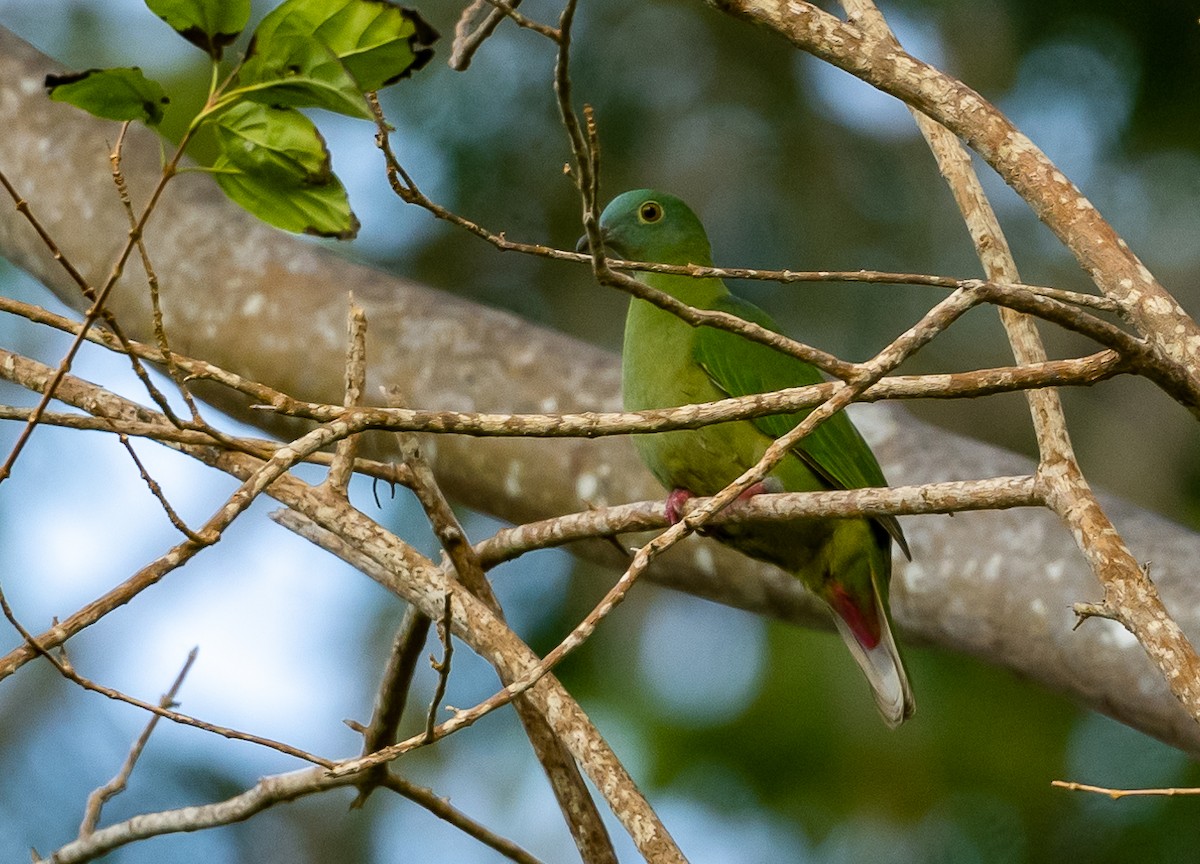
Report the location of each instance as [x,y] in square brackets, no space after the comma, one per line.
[647,225]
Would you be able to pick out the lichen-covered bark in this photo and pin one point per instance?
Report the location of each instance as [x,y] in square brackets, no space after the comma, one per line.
[996,585]
[1110,263]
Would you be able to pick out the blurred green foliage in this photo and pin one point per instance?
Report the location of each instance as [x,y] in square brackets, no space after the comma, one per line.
[790,165]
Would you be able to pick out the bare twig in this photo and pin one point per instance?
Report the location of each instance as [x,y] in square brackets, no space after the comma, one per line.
[1117,794]
[509,9]
[442,668]
[951,385]
[157,492]
[160,332]
[98,798]
[67,671]
[267,793]
[1083,371]
[997,493]
[388,472]
[97,308]
[469,35]
[394,686]
[441,808]
[355,382]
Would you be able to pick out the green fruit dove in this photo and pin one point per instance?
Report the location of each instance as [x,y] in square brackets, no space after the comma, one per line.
[666,362]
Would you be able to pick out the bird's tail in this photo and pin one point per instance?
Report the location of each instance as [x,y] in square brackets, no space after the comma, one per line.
[878,658]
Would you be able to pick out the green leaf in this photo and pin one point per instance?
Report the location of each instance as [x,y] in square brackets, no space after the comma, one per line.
[380,42]
[327,53]
[323,211]
[294,69]
[280,143]
[274,163]
[114,94]
[208,24]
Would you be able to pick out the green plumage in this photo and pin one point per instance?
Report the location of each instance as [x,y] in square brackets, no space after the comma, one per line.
[666,363]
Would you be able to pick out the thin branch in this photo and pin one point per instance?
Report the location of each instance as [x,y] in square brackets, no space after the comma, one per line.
[115,786]
[441,808]
[509,9]
[1082,372]
[342,466]
[950,385]
[468,35]
[394,687]
[268,792]
[998,493]
[441,668]
[1117,794]
[97,308]
[152,282]
[261,448]
[65,669]
[157,492]
[1135,350]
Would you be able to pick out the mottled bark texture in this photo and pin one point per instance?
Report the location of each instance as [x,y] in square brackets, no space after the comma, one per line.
[999,586]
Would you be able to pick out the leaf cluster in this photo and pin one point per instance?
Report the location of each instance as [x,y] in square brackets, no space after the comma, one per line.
[271,159]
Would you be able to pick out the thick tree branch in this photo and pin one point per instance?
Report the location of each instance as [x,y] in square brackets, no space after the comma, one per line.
[995,585]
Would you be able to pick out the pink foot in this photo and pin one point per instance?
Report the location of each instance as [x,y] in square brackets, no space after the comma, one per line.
[676,501]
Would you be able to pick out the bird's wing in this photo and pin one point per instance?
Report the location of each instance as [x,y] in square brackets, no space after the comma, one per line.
[739,367]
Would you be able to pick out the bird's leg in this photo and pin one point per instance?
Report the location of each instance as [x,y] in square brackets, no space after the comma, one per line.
[676,501]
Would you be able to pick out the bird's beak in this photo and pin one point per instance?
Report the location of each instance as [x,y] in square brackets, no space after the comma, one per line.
[581,245]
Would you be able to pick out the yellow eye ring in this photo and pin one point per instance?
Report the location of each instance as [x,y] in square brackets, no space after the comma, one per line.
[650,212]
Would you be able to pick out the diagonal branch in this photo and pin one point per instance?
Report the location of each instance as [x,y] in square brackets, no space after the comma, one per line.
[266,793]
[583,819]
[1130,596]
[1108,261]
[96,801]
[401,570]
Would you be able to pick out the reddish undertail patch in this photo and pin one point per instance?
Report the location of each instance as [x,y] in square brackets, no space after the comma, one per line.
[864,624]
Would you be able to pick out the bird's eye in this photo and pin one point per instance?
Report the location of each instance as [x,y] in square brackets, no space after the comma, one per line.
[650,212]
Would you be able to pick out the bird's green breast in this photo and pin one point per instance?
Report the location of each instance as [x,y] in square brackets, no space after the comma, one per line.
[658,370]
